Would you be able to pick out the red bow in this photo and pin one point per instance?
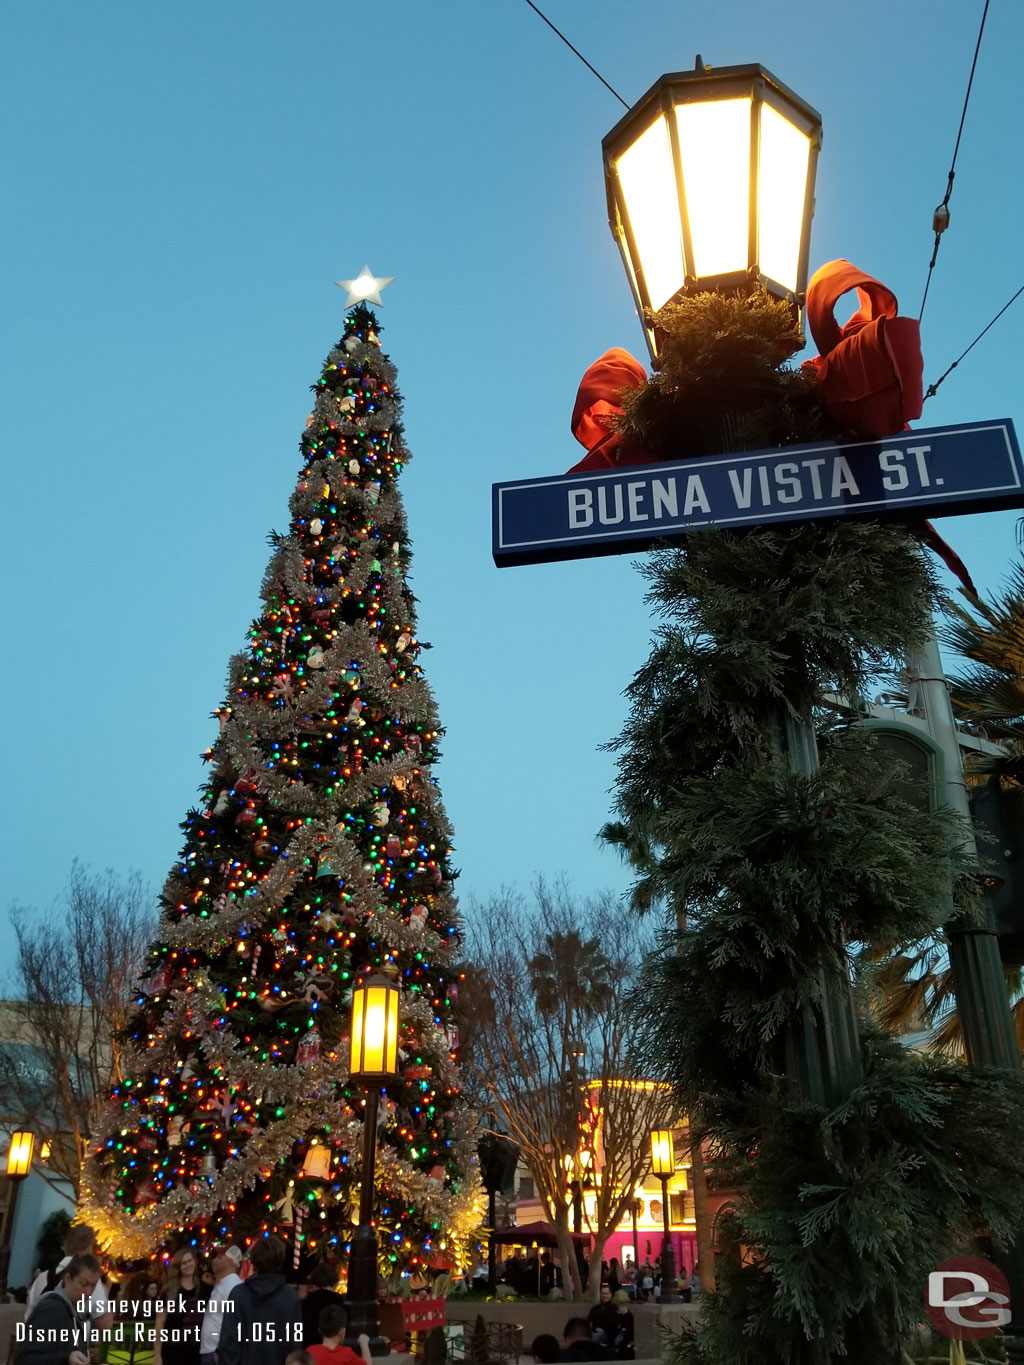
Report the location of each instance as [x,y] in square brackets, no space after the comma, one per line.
[597,405]
[870,372]
[870,369]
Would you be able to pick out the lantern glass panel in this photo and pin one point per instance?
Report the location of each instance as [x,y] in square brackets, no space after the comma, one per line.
[19,1155]
[374,1029]
[663,1156]
[781,187]
[714,145]
[648,184]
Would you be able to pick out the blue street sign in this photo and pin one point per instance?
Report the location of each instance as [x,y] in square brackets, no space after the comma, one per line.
[938,471]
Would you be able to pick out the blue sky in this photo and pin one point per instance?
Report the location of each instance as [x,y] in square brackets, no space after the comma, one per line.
[183,184]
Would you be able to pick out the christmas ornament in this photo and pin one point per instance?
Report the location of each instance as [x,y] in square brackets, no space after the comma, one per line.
[246,818]
[365,288]
[381,813]
[158,982]
[282,688]
[353,466]
[403,641]
[315,658]
[317,988]
[223,801]
[326,921]
[316,527]
[354,709]
[393,846]
[308,1049]
[418,917]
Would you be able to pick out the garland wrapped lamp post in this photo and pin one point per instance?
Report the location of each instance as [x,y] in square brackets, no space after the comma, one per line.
[663,1164]
[710,182]
[373,1061]
[723,804]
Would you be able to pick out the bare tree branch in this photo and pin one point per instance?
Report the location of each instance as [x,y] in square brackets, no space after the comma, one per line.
[548,1033]
[72,982]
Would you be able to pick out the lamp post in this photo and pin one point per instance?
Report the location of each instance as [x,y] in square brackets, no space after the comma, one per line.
[710,182]
[19,1163]
[663,1164]
[373,1061]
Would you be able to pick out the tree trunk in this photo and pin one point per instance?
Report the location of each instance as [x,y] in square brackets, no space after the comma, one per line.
[702,1217]
[572,1285]
[594,1269]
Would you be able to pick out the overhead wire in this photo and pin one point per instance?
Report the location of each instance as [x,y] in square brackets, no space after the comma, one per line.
[579,54]
[940,218]
[930,391]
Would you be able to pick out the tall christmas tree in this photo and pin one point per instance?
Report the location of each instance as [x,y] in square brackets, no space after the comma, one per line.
[319,855]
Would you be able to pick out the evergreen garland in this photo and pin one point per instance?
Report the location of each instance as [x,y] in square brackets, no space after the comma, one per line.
[841,1213]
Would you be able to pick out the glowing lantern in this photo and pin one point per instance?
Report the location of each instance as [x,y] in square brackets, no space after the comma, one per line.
[710,181]
[373,1052]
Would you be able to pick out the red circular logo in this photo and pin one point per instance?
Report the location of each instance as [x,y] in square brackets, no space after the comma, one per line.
[967,1298]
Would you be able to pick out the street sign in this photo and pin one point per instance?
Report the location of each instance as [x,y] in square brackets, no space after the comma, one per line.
[938,471]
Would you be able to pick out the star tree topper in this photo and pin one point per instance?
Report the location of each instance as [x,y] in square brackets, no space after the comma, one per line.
[364,288]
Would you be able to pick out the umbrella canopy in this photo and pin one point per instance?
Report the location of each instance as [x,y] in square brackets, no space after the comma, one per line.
[526,1234]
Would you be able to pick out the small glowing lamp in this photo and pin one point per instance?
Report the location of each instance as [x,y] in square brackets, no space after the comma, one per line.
[710,181]
[316,1164]
[19,1155]
[373,1053]
[663,1154]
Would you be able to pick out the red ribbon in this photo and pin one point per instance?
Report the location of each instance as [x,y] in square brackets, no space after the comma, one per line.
[870,371]
[597,406]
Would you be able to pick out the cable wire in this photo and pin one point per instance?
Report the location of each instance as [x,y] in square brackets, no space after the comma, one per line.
[930,391]
[940,219]
[579,54]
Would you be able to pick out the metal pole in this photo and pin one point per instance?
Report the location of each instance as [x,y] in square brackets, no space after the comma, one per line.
[492,1220]
[978,980]
[361,1293]
[821,1047]
[976,967]
[5,1250]
[668,1254]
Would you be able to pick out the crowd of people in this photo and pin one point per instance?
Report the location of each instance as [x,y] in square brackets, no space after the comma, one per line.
[224,1307]
[540,1275]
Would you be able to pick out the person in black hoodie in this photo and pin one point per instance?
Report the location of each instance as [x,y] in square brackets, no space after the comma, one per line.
[325,1278]
[56,1314]
[264,1321]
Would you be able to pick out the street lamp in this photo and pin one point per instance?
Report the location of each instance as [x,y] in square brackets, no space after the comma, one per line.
[710,182]
[373,1061]
[663,1164]
[19,1163]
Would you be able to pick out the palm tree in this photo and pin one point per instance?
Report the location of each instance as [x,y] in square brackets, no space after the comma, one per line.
[989,693]
[571,975]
